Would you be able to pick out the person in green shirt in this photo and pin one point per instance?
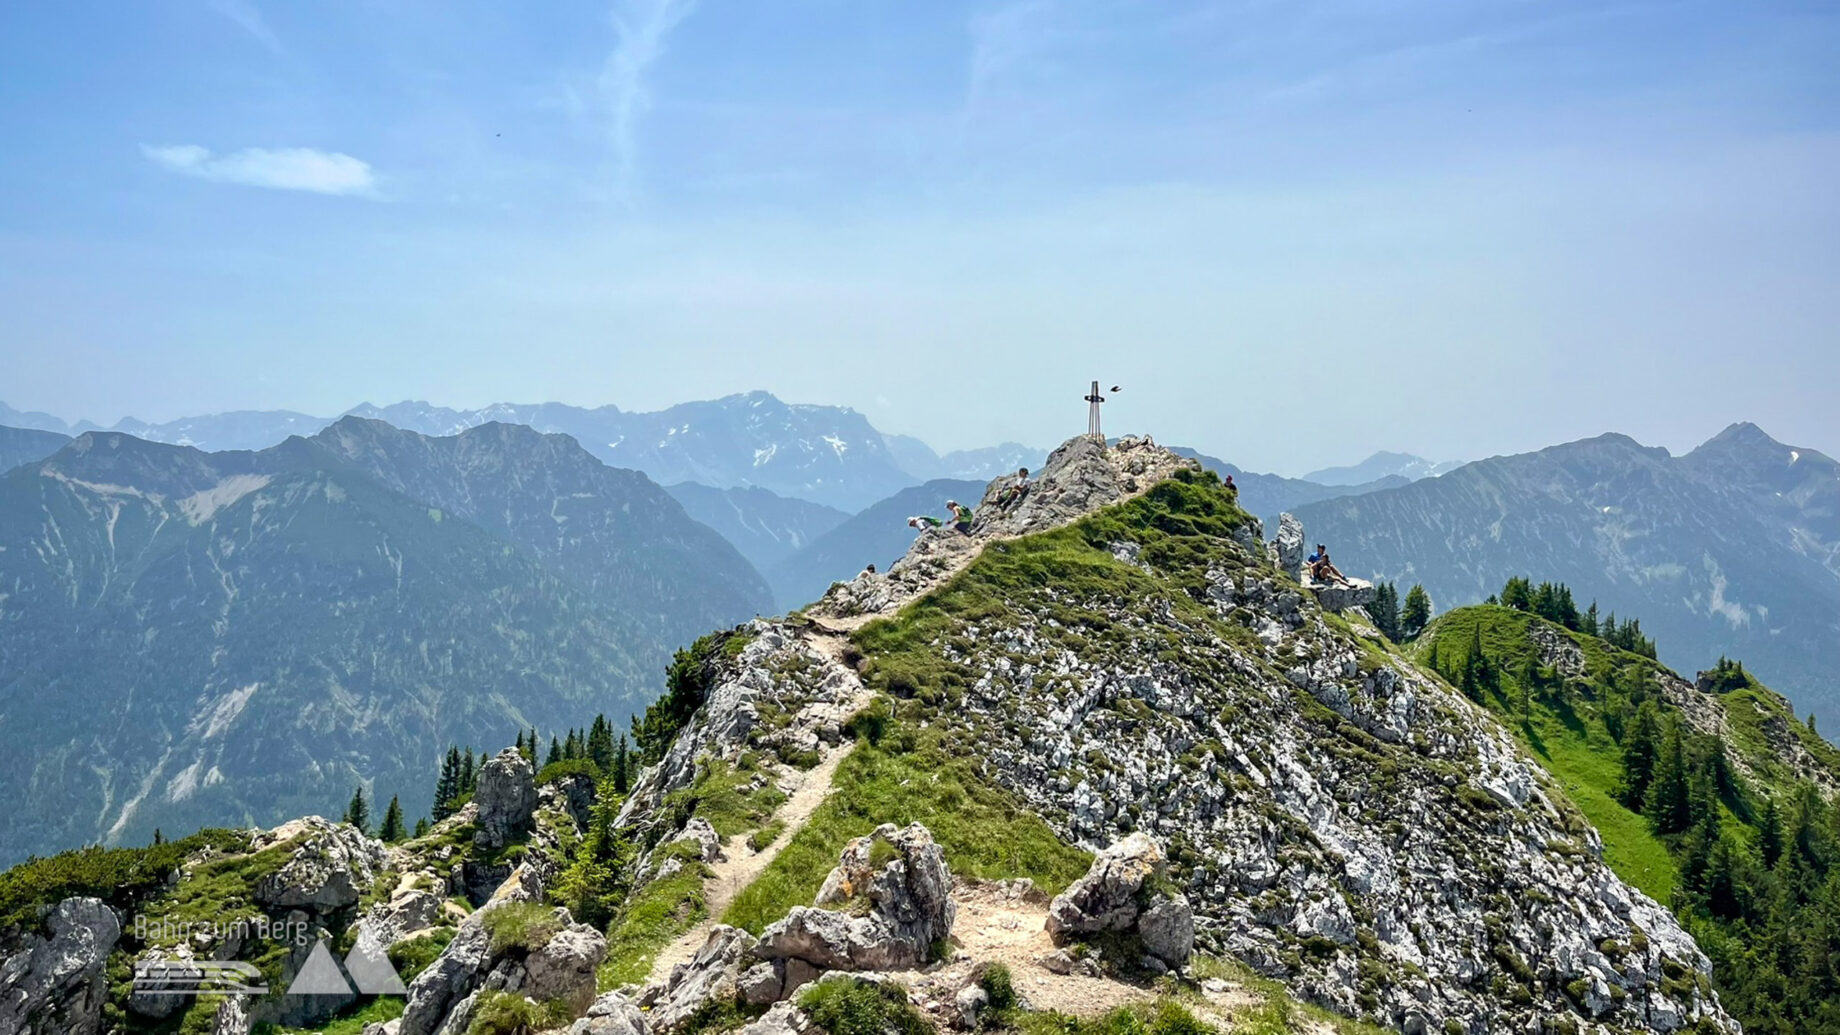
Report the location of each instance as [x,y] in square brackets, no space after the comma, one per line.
[961,516]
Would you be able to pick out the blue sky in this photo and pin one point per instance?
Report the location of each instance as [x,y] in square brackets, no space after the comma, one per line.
[1296,232]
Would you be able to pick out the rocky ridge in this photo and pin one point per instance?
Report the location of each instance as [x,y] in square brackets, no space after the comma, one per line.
[1278,748]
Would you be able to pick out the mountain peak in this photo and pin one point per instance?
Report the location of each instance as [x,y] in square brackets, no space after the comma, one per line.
[1740,436]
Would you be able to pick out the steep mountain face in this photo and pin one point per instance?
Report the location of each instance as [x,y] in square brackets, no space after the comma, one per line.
[191,638]
[765,527]
[1381,465]
[1105,693]
[1729,550]
[614,533]
[26,445]
[1337,817]
[825,454]
[1748,778]
[878,535]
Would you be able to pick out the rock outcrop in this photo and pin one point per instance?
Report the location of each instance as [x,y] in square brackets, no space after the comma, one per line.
[507,800]
[442,999]
[57,985]
[893,899]
[1127,890]
[332,865]
[1334,815]
[1077,479]
[1287,549]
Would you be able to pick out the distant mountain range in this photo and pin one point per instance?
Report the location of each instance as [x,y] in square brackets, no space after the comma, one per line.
[919,460]
[879,535]
[192,638]
[1380,466]
[765,528]
[1733,548]
[826,454]
[1268,495]
[25,445]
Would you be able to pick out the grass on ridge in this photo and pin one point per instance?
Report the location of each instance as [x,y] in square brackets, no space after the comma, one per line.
[983,832]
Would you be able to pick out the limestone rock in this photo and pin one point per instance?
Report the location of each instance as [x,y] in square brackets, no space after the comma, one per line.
[612,1014]
[708,842]
[232,1017]
[408,911]
[507,800]
[451,978]
[332,866]
[58,985]
[1335,596]
[1106,898]
[904,901]
[1167,929]
[564,968]
[1123,891]
[1288,546]
[714,972]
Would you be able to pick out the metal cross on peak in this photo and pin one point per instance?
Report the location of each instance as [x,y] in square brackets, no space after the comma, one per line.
[1093,399]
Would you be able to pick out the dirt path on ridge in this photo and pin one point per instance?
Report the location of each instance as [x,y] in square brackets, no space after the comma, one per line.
[740,865]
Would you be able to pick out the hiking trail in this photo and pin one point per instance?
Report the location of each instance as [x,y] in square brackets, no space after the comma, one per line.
[740,865]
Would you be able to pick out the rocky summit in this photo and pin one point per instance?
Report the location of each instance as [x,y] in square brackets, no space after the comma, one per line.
[1098,759]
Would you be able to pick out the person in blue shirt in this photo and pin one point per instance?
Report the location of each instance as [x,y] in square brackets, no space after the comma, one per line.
[1320,568]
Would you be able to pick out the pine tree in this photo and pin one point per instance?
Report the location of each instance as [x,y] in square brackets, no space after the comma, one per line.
[1641,743]
[1770,833]
[469,776]
[158,838]
[1670,798]
[555,751]
[447,788]
[1517,594]
[1529,679]
[571,748]
[421,827]
[520,743]
[1385,610]
[1416,613]
[1588,625]
[600,743]
[358,812]
[621,763]
[392,829]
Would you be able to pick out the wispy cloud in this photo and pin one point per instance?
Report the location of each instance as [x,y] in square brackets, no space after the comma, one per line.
[641,27]
[246,15]
[288,168]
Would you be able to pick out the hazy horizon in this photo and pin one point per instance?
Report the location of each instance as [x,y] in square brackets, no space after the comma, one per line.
[1222,453]
[1296,234]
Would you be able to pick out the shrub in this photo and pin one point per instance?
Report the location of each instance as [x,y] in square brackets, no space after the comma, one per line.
[507,1013]
[520,926]
[118,876]
[850,1007]
[872,721]
[558,771]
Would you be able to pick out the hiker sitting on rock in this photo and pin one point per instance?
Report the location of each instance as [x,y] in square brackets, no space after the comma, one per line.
[961,516]
[1017,488]
[870,570]
[1321,570]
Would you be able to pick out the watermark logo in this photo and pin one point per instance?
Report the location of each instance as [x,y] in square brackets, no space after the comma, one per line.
[366,971]
[367,964]
[197,977]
